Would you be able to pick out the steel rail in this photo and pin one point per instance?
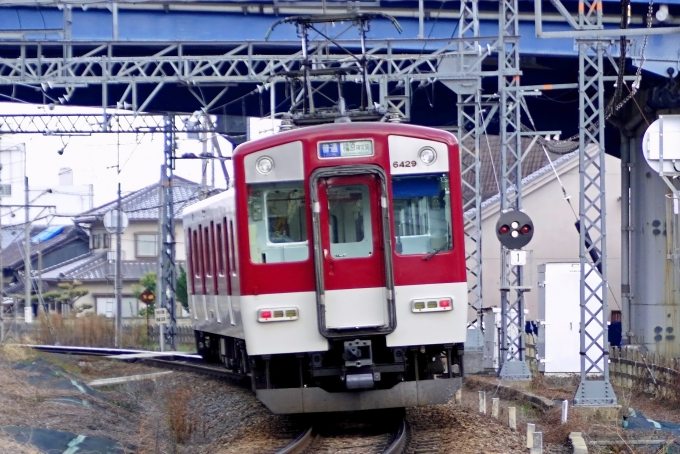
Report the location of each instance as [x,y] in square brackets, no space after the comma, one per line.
[298,445]
[400,441]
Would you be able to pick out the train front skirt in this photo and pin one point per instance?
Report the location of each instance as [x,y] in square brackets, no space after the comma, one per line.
[317,400]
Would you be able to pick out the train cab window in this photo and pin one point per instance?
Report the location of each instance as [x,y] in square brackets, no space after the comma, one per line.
[349,221]
[422,214]
[277,223]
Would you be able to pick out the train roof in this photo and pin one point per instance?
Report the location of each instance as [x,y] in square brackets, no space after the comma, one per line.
[321,132]
[207,203]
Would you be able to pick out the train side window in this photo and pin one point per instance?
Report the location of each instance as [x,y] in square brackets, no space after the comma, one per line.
[232,245]
[201,258]
[191,261]
[421,214]
[206,251]
[277,223]
[229,254]
[219,250]
[213,255]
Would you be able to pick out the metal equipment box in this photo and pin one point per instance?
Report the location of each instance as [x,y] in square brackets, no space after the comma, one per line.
[559,317]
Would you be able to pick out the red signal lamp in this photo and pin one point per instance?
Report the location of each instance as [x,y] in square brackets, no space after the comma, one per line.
[526,228]
[504,229]
[266,314]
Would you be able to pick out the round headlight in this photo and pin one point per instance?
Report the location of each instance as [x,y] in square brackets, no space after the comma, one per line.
[427,155]
[264,165]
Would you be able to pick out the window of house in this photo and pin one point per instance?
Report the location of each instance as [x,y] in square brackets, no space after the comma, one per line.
[95,241]
[146,244]
[106,240]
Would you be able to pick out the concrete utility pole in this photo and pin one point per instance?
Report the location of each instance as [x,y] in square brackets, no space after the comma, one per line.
[118,278]
[27,248]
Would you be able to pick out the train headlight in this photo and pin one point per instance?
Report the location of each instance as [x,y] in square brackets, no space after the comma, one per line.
[427,155]
[264,165]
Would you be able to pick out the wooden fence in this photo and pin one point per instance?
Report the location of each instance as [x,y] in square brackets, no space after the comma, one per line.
[645,372]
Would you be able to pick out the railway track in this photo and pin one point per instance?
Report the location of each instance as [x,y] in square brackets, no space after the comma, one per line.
[378,438]
[185,362]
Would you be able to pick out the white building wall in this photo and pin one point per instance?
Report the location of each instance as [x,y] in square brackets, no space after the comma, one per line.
[68,199]
[137,227]
[555,237]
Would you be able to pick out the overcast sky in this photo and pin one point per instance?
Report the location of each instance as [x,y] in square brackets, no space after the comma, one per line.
[93,158]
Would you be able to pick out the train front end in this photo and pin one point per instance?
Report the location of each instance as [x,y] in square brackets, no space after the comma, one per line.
[353,287]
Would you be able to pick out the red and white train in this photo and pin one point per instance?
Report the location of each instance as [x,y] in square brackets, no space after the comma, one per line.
[333,271]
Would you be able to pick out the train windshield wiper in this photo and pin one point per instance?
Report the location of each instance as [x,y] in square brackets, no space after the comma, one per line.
[441,248]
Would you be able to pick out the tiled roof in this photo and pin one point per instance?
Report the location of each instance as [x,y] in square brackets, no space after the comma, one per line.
[490,154]
[144,204]
[95,266]
[529,178]
[13,252]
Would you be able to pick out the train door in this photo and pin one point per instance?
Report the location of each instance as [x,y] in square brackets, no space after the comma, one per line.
[352,253]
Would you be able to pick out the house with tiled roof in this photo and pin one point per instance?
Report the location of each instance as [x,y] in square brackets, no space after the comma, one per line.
[555,236]
[140,245]
[50,246]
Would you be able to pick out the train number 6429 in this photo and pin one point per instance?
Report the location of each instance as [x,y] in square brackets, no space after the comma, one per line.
[397,164]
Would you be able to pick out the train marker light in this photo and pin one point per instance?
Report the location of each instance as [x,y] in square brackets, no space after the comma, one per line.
[264,165]
[432,305]
[284,314]
[514,229]
[427,155]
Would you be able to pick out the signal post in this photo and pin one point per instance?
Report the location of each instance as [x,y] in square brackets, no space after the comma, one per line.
[514,230]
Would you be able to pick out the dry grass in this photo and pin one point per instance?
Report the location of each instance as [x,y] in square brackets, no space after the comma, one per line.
[15,353]
[9,446]
[180,421]
[89,331]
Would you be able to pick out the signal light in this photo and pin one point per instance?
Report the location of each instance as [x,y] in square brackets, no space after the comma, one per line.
[445,303]
[514,229]
[266,314]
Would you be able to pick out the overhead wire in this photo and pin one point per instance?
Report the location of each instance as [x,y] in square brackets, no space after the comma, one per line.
[488,147]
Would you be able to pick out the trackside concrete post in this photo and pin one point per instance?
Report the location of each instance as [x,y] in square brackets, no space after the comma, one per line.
[482,402]
[494,407]
[459,396]
[565,411]
[531,428]
[512,418]
[537,445]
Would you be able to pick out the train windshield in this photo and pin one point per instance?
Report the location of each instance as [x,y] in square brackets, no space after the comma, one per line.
[422,214]
[277,223]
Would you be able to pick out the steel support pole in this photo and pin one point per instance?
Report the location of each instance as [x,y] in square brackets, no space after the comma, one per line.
[626,326]
[512,364]
[168,269]
[470,128]
[594,346]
